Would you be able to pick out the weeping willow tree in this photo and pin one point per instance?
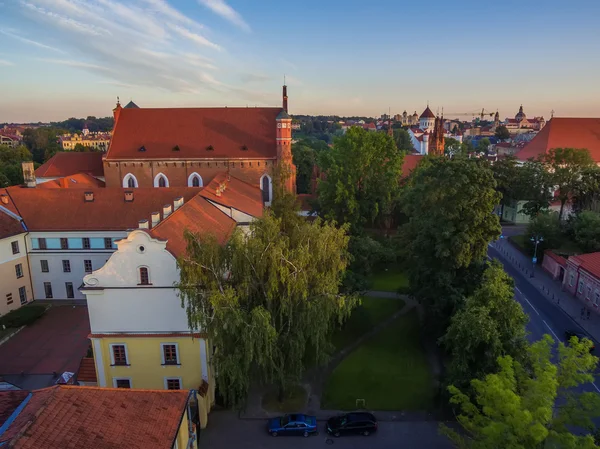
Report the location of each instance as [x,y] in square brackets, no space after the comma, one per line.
[269,300]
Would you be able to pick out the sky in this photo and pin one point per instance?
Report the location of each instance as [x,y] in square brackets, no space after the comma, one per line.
[72,58]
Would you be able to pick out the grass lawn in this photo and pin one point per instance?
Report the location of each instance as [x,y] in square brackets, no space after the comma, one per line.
[364,318]
[389,280]
[294,400]
[389,371]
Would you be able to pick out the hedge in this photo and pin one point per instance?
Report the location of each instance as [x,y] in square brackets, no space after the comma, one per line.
[23,316]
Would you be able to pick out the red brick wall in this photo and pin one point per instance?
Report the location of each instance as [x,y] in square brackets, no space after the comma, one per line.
[178,172]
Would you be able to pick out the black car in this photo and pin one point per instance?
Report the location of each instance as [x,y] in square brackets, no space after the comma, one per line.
[580,336]
[356,423]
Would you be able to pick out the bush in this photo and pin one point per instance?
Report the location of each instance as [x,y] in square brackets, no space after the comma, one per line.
[367,255]
[23,316]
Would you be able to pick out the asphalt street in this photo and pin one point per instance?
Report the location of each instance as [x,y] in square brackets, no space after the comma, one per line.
[545,317]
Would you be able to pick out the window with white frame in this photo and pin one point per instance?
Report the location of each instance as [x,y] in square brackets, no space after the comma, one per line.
[121,382]
[571,279]
[87,266]
[597,297]
[118,354]
[48,290]
[44,266]
[144,276]
[169,353]
[22,295]
[172,383]
[15,247]
[581,285]
[69,289]
[66,266]
[589,292]
[19,270]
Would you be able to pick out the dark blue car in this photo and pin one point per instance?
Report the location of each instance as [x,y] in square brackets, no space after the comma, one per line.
[293,425]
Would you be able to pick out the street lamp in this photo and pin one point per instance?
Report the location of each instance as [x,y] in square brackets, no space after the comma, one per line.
[537,240]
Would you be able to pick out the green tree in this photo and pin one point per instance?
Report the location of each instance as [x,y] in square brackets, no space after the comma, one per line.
[304,157]
[79,148]
[490,324]
[361,186]
[506,172]
[502,133]
[451,146]
[534,184]
[366,255]
[587,192]
[587,231]
[278,304]
[402,139]
[515,408]
[449,204]
[567,166]
[483,145]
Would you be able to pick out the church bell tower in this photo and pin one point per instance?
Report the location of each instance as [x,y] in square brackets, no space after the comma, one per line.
[284,144]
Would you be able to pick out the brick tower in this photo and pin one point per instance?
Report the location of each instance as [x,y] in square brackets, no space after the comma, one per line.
[284,145]
[436,141]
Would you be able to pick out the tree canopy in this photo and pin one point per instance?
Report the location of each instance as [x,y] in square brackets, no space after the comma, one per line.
[269,300]
[11,173]
[362,173]
[449,204]
[586,228]
[502,132]
[515,408]
[489,325]
[402,139]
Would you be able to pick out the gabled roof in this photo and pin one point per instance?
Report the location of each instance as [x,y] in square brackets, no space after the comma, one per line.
[562,132]
[100,418]
[410,163]
[131,105]
[66,209]
[70,163]
[236,194]
[198,133]
[78,181]
[427,113]
[196,216]
[589,262]
[9,401]
[87,370]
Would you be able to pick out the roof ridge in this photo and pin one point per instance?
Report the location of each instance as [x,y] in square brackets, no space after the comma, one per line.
[185,203]
[136,390]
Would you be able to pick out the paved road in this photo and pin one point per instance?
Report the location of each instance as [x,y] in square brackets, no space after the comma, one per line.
[226,431]
[545,317]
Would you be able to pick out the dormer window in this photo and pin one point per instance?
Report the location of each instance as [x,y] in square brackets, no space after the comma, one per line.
[244,148]
[210,148]
[176,148]
[142,148]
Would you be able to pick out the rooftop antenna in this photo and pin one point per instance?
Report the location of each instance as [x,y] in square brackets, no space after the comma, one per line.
[118,100]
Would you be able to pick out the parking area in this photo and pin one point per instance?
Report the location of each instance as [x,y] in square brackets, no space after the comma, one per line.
[54,343]
[226,431]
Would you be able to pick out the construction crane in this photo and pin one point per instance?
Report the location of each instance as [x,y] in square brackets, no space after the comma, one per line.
[481,114]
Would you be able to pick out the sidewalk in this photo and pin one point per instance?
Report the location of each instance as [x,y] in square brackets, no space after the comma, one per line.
[549,288]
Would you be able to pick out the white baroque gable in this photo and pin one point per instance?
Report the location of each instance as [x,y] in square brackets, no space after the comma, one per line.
[138,250]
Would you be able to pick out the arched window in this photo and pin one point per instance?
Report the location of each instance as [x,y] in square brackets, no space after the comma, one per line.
[144,277]
[130,181]
[195,180]
[161,180]
[267,188]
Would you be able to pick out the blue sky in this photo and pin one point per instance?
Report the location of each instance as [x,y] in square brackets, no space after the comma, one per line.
[62,58]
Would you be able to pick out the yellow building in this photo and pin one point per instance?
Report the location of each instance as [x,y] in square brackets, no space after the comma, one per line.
[97,141]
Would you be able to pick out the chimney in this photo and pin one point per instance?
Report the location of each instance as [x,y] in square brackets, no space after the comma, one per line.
[4,198]
[28,173]
[167,208]
[178,203]
[129,196]
[143,224]
[88,197]
[155,218]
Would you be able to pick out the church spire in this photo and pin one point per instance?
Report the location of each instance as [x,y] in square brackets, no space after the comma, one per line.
[285,96]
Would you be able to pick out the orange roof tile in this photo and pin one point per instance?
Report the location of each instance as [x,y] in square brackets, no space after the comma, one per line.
[9,402]
[552,255]
[197,216]
[193,130]
[66,209]
[9,226]
[588,262]
[70,163]
[561,132]
[77,181]
[410,163]
[237,194]
[87,370]
[100,418]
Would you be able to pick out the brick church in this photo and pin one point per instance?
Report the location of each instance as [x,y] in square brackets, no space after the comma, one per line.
[174,147]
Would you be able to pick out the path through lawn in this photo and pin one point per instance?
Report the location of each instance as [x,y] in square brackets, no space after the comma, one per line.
[389,280]
[389,371]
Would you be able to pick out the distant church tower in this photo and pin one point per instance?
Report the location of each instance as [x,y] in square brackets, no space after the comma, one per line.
[284,144]
[436,141]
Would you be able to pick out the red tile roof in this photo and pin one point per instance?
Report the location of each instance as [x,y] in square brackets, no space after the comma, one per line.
[77,181]
[69,163]
[552,255]
[9,402]
[9,226]
[193,130]
[66,209]
[410,163]
[562,132]
[87,370]
[98,418]
[427,113]
[196,216]
[588,262]
[237,194]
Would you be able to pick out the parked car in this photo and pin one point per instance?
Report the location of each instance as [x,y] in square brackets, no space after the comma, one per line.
[356,423]
[580,336]
[296,424]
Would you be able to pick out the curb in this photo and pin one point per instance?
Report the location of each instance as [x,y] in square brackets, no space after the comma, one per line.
[8,337]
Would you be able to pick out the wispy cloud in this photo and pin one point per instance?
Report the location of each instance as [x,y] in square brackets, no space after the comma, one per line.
[171,13]
[196,38]
[4,62]
[289,64]
[77,64]
[30,41]
[227,12]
